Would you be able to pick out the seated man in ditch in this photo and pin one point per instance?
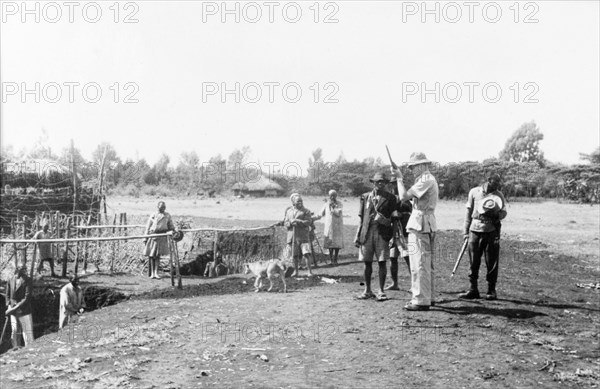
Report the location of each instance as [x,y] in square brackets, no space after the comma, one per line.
[71,302]
[298,221]
[159,223]
[216,268]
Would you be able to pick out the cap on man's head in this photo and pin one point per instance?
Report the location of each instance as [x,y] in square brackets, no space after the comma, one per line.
[379,177]
[417,158]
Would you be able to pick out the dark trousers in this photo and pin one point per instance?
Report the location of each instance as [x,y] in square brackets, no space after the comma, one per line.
[488,243]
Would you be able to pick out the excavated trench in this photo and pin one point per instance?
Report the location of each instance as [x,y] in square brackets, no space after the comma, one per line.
[45,304]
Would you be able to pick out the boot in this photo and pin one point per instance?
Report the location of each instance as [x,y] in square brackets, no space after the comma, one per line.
[491,293]
[471,294]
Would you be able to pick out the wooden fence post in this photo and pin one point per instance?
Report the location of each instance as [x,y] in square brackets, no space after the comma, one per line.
[15,248]
[177,267]
[120,232]
[86,245]
[171,254]
[98,243]
[35,249]
[66,253]
[77,252]
[112,259]
[57,227]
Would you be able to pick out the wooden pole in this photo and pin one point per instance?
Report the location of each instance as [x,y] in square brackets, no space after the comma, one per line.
[171,253]
[100,227]
[66,253]
[237,229]
[86,245]
[112,259]
[77,254]
[17,230]
[177,267]
[120,233]
[98,242]
[125,222]
[35,249]
[126,261]
[70,240]
[57,227]
[13,233]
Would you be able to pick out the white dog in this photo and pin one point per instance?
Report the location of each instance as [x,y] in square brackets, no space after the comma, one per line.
[260,269]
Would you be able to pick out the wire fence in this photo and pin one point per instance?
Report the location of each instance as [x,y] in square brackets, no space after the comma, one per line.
[117,246]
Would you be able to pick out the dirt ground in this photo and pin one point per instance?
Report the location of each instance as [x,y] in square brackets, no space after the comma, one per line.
[541,332]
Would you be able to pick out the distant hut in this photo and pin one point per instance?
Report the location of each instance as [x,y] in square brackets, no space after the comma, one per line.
[261,187]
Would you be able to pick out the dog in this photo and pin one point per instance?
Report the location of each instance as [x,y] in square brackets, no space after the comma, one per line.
[260,269]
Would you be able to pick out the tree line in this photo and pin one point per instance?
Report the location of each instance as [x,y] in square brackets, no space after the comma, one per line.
[525,172]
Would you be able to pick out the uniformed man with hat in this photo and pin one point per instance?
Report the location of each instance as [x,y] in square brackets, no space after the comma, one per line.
[421,228]
[486,207]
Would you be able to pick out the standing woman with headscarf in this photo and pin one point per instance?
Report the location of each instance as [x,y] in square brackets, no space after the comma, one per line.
[159,223]
[334,227]
[298,221]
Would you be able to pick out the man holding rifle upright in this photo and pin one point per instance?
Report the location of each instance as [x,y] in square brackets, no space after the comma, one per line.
[421,228]
[486,207]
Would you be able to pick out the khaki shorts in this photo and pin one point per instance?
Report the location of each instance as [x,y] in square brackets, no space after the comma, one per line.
[374,247]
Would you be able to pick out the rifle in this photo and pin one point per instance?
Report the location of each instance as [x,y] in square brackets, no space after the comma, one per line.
[6,319]
[390,157]
[462,252]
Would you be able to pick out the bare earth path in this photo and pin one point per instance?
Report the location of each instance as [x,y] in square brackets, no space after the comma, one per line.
[542,332]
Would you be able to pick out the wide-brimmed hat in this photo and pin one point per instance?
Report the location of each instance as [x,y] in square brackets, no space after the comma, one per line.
[489,204]
[417,159]
[379,177]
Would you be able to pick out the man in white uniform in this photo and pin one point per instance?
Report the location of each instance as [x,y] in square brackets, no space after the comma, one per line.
[421,229]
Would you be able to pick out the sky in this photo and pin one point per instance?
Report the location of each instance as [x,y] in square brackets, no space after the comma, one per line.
[451,79]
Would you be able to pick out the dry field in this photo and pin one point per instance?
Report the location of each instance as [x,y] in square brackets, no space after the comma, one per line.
[568,228]
[541,332]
